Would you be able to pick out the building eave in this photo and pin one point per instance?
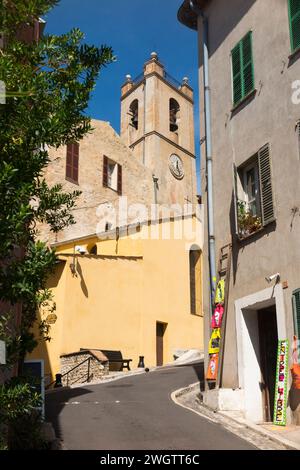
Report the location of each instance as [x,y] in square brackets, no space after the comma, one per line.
[187,16]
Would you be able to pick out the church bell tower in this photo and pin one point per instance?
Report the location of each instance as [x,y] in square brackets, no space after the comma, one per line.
[157,124]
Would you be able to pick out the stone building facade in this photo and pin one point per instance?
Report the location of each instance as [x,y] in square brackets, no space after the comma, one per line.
[148,163]
[254,69]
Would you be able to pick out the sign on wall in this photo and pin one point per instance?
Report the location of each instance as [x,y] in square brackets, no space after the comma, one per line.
[281,392]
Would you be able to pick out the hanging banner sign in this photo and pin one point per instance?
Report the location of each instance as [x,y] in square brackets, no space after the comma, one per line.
[212,370]
[220,292]
[214,342]
[280,402]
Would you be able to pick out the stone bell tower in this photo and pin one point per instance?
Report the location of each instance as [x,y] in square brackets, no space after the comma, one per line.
[157,124]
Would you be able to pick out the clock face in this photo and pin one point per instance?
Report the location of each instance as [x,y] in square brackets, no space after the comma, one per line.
[176,166]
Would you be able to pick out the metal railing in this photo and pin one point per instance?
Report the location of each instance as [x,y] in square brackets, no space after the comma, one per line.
[137,80]
[172,80]
[58,382]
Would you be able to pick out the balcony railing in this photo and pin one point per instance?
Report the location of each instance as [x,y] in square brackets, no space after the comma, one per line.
[175,83]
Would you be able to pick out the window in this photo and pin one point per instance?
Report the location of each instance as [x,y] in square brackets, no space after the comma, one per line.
[294,19]
[112,175]
[253,194]
[251,189]
[242,69]
[72,163]
[93,250]
[30,33]
[195,281]
[134,113]
[174,109]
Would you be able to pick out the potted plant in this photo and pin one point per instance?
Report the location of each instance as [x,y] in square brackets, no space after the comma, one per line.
[247,222]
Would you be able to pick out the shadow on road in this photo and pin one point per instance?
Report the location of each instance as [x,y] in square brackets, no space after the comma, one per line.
[199,372]
[56,401]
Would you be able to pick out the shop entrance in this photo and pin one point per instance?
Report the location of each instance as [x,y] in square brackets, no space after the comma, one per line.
[260,322]
[268,343]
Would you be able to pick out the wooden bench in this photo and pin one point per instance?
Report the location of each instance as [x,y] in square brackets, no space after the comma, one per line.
[115,357]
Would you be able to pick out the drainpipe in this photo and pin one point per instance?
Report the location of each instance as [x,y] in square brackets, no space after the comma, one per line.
[209,160]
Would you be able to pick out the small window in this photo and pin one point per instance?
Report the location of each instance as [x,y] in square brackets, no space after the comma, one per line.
[294,20]
[93,250]
[72,163]
[29,33]
[242,69]
[195,281]
[112,175]
[134,114]
[174,110]
[253,194]
[251,188]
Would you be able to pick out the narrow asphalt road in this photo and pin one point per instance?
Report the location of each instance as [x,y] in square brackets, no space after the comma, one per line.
[135,412]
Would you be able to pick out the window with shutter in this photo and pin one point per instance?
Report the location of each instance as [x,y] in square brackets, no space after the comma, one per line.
[112,175]
[266,191]
[253,194]
[296,314]
[119,179]
[294,18]
[72,162]
[105,171]
[242,69]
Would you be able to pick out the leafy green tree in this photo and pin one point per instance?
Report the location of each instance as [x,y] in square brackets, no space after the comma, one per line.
[48,85]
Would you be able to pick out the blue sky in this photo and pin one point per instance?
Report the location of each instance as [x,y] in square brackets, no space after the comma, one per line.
[133,28]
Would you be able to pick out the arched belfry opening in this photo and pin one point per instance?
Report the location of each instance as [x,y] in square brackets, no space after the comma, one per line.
[174,110]
[134,114]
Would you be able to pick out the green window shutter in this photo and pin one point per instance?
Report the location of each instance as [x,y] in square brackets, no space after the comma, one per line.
[248,72]
[294,17]
[235,198]
[237,74]
[242,69]
[296,312]
[266,191]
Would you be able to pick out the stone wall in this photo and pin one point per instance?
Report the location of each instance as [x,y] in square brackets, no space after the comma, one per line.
[80,375]
[93,207]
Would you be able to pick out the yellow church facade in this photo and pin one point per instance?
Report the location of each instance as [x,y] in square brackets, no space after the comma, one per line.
[129,276]
[133,293]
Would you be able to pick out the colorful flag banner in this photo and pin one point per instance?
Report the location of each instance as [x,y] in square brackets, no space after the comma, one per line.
[281,392]
[214,342]
[212,370]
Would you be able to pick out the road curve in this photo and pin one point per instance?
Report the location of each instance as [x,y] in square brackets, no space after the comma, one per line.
[136,412]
